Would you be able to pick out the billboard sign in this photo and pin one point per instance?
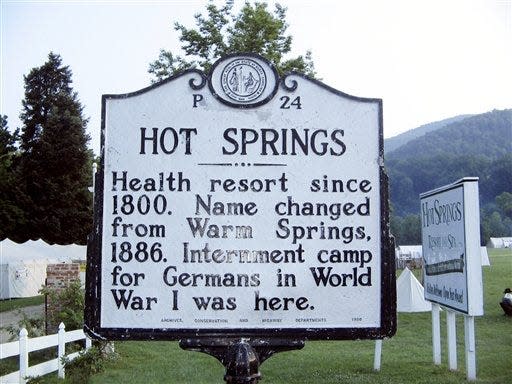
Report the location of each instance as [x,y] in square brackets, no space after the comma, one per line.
[240,202]
[450,223]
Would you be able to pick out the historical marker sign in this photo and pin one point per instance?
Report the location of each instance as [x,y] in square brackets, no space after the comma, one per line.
[450,222]
[240,203]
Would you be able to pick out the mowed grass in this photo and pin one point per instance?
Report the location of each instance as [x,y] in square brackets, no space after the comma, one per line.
[406,358]
[12,304]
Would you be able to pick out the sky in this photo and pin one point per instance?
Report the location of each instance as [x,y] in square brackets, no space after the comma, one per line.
[427,59]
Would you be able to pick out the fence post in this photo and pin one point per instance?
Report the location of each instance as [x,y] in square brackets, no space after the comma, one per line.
[88,343]
[61,350]
[23,355]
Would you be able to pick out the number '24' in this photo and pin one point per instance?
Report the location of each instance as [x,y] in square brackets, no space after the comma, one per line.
[288,102]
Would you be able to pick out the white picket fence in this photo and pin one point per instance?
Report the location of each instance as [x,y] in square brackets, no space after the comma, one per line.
[24,345]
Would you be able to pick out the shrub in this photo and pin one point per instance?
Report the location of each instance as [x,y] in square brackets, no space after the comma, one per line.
[68,304]
[88,363]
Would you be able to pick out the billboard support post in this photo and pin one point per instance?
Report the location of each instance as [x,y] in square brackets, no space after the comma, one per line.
[377,358]
[436,334]
[469,332]
[451,331]
[241,357]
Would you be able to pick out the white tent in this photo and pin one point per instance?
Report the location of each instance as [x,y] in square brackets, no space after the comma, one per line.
[410,298]
[408,255]
[409,294]
[23,266]
[500,242]
[409,252]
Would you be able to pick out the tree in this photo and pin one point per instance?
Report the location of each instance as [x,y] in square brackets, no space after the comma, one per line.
[253,29]
[504,202]
[54,160]
[407,230]
[10,213]
[500,176]
[7,139]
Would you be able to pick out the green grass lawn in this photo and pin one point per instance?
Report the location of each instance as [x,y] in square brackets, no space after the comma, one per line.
[12,304]
[406,358]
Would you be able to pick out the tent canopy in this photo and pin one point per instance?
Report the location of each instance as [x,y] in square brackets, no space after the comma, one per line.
[408,252]
[40,250]
[23,266]
[409,294]
[500,242]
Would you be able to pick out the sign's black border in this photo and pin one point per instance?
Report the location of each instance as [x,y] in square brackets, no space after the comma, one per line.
[93,276]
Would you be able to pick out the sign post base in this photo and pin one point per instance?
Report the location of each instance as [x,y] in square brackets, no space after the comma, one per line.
[241,357]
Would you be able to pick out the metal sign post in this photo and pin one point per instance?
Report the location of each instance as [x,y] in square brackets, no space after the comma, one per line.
[241,357]
[236,206]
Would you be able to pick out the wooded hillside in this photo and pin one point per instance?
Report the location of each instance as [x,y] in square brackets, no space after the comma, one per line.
[479,145]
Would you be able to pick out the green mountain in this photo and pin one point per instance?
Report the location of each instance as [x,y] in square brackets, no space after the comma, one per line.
[397,141]
[478,145]
[488,135]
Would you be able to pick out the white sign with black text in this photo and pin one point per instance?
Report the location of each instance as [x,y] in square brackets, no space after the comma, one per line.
[240,201]
[450,223]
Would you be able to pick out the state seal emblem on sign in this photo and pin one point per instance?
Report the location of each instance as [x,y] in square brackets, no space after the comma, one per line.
[243,81]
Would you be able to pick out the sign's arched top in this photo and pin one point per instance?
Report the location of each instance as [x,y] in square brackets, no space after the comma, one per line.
[243,80]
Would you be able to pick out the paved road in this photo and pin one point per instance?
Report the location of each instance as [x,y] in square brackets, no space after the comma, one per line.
[13,317]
